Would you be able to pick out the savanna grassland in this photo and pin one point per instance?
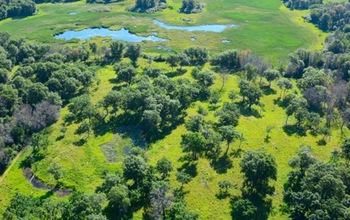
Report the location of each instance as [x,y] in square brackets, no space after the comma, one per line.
[267,28]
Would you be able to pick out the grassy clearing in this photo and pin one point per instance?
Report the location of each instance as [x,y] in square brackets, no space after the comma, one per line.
[263,26]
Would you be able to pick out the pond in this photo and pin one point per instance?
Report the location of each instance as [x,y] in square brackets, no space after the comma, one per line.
[225,41]
[209,27]
[122,34]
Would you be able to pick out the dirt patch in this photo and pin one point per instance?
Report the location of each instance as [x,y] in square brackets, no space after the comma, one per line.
[38,184]
[29,175]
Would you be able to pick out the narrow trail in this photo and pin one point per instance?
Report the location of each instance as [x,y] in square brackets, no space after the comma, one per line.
[2,177]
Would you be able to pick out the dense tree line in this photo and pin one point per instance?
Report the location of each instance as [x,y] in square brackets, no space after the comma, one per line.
[301,4]
[148,6]
[191,6]
[331,16]
[318,190]
[16,8]
[31,97]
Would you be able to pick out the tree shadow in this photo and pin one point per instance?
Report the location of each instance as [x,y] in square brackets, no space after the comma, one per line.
[261,207]
[222,164]
[68,119]
[247,112]
[31,159]
[321,142]
[113,212]
[166,130]
[212,107]
[47,195]
[222,195]
[236,153]
[267,139]
[281,103]
[80,142]
[190,168]
[180,193]
[177,72]
[294,129]
[268,90]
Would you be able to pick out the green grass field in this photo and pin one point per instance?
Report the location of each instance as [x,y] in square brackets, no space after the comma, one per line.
[265,27]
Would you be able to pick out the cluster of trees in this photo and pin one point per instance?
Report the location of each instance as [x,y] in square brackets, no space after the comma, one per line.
[301,4]
[156,104]
[31,98]
[116,51]
[148,6]
[323,78]
[191,6]
[259,169]
[22,8]
[331,16]
[205,138]
[318,190]
[16,8]
[139,186]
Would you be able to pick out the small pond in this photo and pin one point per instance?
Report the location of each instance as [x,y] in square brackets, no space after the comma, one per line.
[209,27]
[193,38]
[160,47]
[225,41]
[122,34]
[72,13]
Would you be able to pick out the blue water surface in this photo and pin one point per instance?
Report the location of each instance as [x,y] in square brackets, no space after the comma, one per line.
[208,27]
[122,34]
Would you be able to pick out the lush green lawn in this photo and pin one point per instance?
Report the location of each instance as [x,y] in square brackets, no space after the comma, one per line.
[265,27]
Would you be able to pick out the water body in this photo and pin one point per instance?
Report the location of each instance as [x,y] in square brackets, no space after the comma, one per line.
[72,13]
[160,47]
[122,34]
[225,41]
[209,27]
[193,38]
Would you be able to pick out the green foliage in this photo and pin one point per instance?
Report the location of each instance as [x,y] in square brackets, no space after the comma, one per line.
[164,167]
[133,52]
[258,169]
[243,209]
[315,189]
[183,177]
[134,168]
[148,6]
[251,94]
[16,8]
[228,114]
[302,5]
[198,56]
[116,50]
[228,60]
[190,6]
[331,16]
